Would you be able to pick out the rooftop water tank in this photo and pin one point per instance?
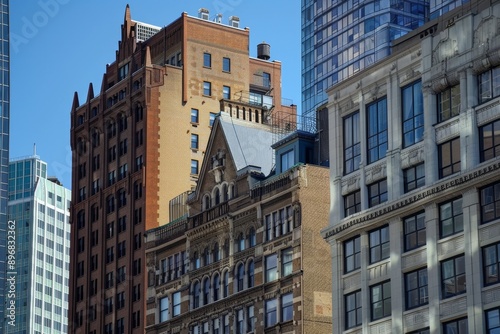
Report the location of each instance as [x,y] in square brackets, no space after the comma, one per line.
[264,51]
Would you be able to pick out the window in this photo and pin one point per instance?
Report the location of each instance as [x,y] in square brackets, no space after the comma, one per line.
[195,293]
[379,244]
[380,300]
[376,114]
[239,321]
[206,291]
[449,157]
[266,80]
[216,288]
[194,166]
[493,321]
[250,318]
[194,141]
[453,276]
[489,141]
[352,203]
[448,103]
[226,92]
[491,264]
[207,88]
[490,202]
[413,113]
[489,84]
[271,268]
[377,193]
[450,218]
[352,145]
[353,313]
[271,318]
[226,64]
[414,177]
[120,300]
[287,160]
[414,231]
[457,326]
[352,254]
[207,59]
[226,284]
[212,118]
[251,274]
[286,262]
[240,275]
[287,307]
[252,238]
[194,115]
[176,304]
[416,288]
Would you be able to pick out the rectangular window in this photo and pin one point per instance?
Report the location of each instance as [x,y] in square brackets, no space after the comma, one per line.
[352,145]
[207,59]
[271,318]
[212,118]
[376,114]
[176,304]
[491,264]
[250,318]
[490,202]
[414,177]
[353,313]
[194,115]
[266,80]
[448,103]
[207,88]
[286,262]
[416,288]
[194,141]
[287,160]
[489,84]
[380,300]
[489,141]
[271,268]
[226,64]
[352,254]
[194,167]
[457,326]
[377,193]
[449,157]
[493,321]
[287,307]
[450,218]
[379,244]
[226,92]
[453,276]
[413,113]
[352,203]
[164,316]
[414,231]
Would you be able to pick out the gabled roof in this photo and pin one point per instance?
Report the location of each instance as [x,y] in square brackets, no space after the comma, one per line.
[249,143]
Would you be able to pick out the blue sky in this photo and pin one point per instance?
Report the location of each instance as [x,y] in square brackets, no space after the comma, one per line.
[58,47]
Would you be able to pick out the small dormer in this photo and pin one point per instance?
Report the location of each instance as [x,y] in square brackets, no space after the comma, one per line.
[298,147]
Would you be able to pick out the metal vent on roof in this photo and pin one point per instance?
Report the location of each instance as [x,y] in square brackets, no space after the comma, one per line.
[203,13]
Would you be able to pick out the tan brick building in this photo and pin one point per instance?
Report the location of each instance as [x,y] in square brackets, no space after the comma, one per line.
[249,257]
[140,142]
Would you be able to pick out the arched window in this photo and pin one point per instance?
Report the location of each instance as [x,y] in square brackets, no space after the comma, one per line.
[250,274]
[240,242]
[206,256]
[240,275]
[225,193]
[206,291]
[217,196]
[251,237]
[196,295]
[232,191]
[216,287]
[216,253]
[206,202]
[226,284]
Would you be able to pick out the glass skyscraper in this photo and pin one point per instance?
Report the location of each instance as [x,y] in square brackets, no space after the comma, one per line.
[38,280]
[340,38]
[4,143]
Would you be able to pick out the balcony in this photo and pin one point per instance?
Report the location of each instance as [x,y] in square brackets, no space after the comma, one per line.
[209,215]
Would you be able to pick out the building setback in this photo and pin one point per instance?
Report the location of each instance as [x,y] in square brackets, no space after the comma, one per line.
[415,226]
[139,144]
[39,238]
[248,257]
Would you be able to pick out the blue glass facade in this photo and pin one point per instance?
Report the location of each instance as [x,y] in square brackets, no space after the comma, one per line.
[4,143]
[341,38]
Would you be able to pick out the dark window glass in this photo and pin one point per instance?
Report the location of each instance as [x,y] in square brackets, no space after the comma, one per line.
[416,288]
[352,145]
[377,130]
[380,300]
[489,141]
[490,202]
[448,103]
[352,203]
[413,113]
[353,312]
[414,231]
[453,276]
[491,264]
[379,244]
[451,218]
[449,157]
[414,177]
[352,254]
[377,193]
[457,326]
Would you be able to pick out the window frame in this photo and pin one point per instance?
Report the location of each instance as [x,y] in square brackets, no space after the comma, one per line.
[380,195]
[415,117]
[226,64]
[271,269]
[207,60]
[416,179]
[357,310]
[382,245]
[454,277]
[491,74]
[453,164]
[194,167]
[207,88]
[383,300]
[195,116]
[226,92]
[194,141]
[421,288]
[458,322]
[351,141]
[355,254]
[271,309]
[492,201]
[356,197]
[286,262]
[375,132]
[487,318]
[287,306]
[451,94]
[495,144]
[454,224]
[489,264]
[407,233]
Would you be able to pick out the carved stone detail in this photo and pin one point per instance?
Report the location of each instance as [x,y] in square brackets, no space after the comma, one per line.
[447,130]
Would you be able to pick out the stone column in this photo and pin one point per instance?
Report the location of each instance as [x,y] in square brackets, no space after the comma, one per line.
[430,148]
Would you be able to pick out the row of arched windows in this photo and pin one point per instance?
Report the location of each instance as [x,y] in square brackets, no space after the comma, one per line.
[210,255]
[211,289]
[220,194]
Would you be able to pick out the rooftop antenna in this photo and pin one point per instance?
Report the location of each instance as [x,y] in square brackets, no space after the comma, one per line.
[34,148]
